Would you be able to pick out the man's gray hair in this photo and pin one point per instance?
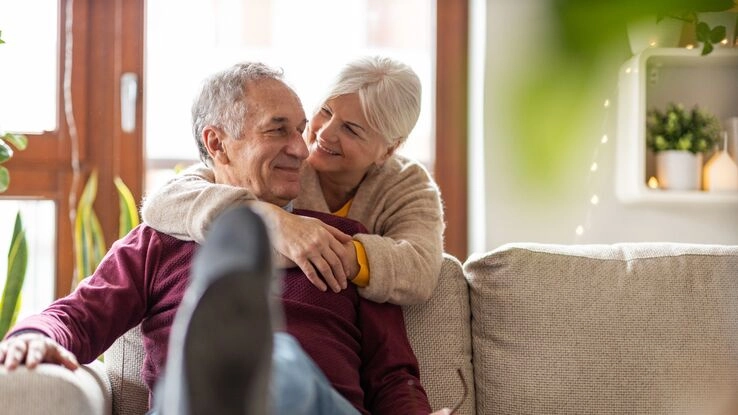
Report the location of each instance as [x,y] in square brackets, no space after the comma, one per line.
[389,92]
[222,100]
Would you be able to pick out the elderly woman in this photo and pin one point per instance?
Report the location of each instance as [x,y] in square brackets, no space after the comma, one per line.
[352,171]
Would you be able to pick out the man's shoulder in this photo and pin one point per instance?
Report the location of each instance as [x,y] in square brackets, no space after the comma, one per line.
[345,225]
[144,234]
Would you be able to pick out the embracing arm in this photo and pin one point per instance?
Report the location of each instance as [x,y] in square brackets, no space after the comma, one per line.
[186,206]
[406,250]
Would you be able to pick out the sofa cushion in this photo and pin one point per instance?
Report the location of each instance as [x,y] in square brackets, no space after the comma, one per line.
[440,334]
[646,328]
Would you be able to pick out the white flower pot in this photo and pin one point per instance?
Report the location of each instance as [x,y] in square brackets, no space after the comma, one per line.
[679,170]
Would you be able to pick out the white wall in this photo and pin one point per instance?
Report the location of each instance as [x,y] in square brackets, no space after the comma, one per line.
[505,208]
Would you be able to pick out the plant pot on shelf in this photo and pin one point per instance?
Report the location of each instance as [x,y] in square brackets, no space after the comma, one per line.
[679,170]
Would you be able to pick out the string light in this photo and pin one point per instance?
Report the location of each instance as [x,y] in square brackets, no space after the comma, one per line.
[580,230]
[593,167]
[604,139]
[594,200]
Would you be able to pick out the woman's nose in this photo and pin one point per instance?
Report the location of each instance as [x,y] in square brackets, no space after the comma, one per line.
[327,131]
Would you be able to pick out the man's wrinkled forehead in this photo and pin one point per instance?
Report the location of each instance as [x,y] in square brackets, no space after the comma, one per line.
[273,99]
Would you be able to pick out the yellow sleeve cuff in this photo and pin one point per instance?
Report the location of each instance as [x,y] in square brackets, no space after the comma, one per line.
[362,278]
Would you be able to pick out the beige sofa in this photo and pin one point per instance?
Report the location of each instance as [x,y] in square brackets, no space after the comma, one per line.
[641,328]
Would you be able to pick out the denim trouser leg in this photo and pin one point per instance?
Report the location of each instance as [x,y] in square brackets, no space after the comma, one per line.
[298,386]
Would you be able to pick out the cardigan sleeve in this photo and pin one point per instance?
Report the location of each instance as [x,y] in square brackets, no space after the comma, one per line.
[188,203]
[405,249]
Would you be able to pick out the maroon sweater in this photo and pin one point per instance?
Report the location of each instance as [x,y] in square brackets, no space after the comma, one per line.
[361,346]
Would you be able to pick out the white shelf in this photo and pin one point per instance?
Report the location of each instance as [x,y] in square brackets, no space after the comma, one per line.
[654,78]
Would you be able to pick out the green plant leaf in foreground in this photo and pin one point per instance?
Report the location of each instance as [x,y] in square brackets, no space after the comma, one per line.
[89,241]
[17,263]
[5,152]
[4,179]
[128,210]
[19,141]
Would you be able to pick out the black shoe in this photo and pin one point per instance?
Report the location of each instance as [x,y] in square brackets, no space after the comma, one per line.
[221,341]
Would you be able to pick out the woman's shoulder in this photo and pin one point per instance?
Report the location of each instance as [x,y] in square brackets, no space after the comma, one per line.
[400,167]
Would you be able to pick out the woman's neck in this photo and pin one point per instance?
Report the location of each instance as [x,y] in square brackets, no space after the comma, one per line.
[337,191]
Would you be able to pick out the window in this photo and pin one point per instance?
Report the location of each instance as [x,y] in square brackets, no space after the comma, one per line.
[310,44]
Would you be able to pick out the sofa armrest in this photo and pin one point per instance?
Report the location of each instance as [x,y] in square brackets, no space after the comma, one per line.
[53,389]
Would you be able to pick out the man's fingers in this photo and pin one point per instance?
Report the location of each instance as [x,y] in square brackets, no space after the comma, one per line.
[36,352]
[66,358]
[15,355]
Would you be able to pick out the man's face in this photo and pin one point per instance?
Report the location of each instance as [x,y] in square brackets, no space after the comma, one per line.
[267,159]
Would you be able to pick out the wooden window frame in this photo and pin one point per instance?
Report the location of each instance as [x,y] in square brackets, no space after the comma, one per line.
[108,40]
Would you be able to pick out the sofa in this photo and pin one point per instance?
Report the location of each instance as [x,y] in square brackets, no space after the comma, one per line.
[631,328]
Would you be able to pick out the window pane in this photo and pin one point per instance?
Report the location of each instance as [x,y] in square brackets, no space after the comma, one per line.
[39,221]
[299,36]
[29,68]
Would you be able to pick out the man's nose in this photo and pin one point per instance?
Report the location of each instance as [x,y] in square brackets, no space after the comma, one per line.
[297,147]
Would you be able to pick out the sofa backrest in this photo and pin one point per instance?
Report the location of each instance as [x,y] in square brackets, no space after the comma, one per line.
[439,332]
[647,328]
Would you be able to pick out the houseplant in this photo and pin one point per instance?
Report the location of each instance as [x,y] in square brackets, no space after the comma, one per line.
[679,137]
[693,15]
[18,252]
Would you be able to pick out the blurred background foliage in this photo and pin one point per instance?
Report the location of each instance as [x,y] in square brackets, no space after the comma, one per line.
[567,81]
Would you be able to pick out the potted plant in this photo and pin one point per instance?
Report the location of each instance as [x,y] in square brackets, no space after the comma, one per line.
[665,28]
[697,17]
[679,137]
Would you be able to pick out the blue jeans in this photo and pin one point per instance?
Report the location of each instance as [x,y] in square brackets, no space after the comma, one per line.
[298,386]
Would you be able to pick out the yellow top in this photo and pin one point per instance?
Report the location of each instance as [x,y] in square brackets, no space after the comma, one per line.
[362,277]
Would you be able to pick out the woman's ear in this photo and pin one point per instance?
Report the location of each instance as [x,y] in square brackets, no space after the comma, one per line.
[213,138]
[387,154]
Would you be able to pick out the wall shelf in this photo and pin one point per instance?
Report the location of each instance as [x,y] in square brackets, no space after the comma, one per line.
[654,78]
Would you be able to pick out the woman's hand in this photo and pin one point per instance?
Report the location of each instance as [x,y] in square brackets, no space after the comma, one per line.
[32,349]
[320,250]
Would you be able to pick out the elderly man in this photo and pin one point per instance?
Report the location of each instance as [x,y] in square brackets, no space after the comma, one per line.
[248,127]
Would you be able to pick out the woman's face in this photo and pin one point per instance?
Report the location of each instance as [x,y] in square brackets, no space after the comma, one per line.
[341,142]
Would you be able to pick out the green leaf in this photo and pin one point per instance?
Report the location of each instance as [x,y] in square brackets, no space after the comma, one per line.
[703,32]
[128,211]
[17,263]
[1,35]
[4,179]
[5,152]
[19,141]
[717,34]
[706,48]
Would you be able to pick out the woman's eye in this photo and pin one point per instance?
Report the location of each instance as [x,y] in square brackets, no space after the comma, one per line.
[325,111]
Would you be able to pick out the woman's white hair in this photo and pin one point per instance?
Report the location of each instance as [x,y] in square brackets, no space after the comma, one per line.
[389,92]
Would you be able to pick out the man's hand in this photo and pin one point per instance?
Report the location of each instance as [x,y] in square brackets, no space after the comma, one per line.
[444,411]
[32,349]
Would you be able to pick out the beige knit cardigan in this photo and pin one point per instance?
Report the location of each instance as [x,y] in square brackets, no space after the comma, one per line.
[398,203]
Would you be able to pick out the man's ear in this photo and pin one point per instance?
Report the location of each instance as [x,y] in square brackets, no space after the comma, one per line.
[213,138]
